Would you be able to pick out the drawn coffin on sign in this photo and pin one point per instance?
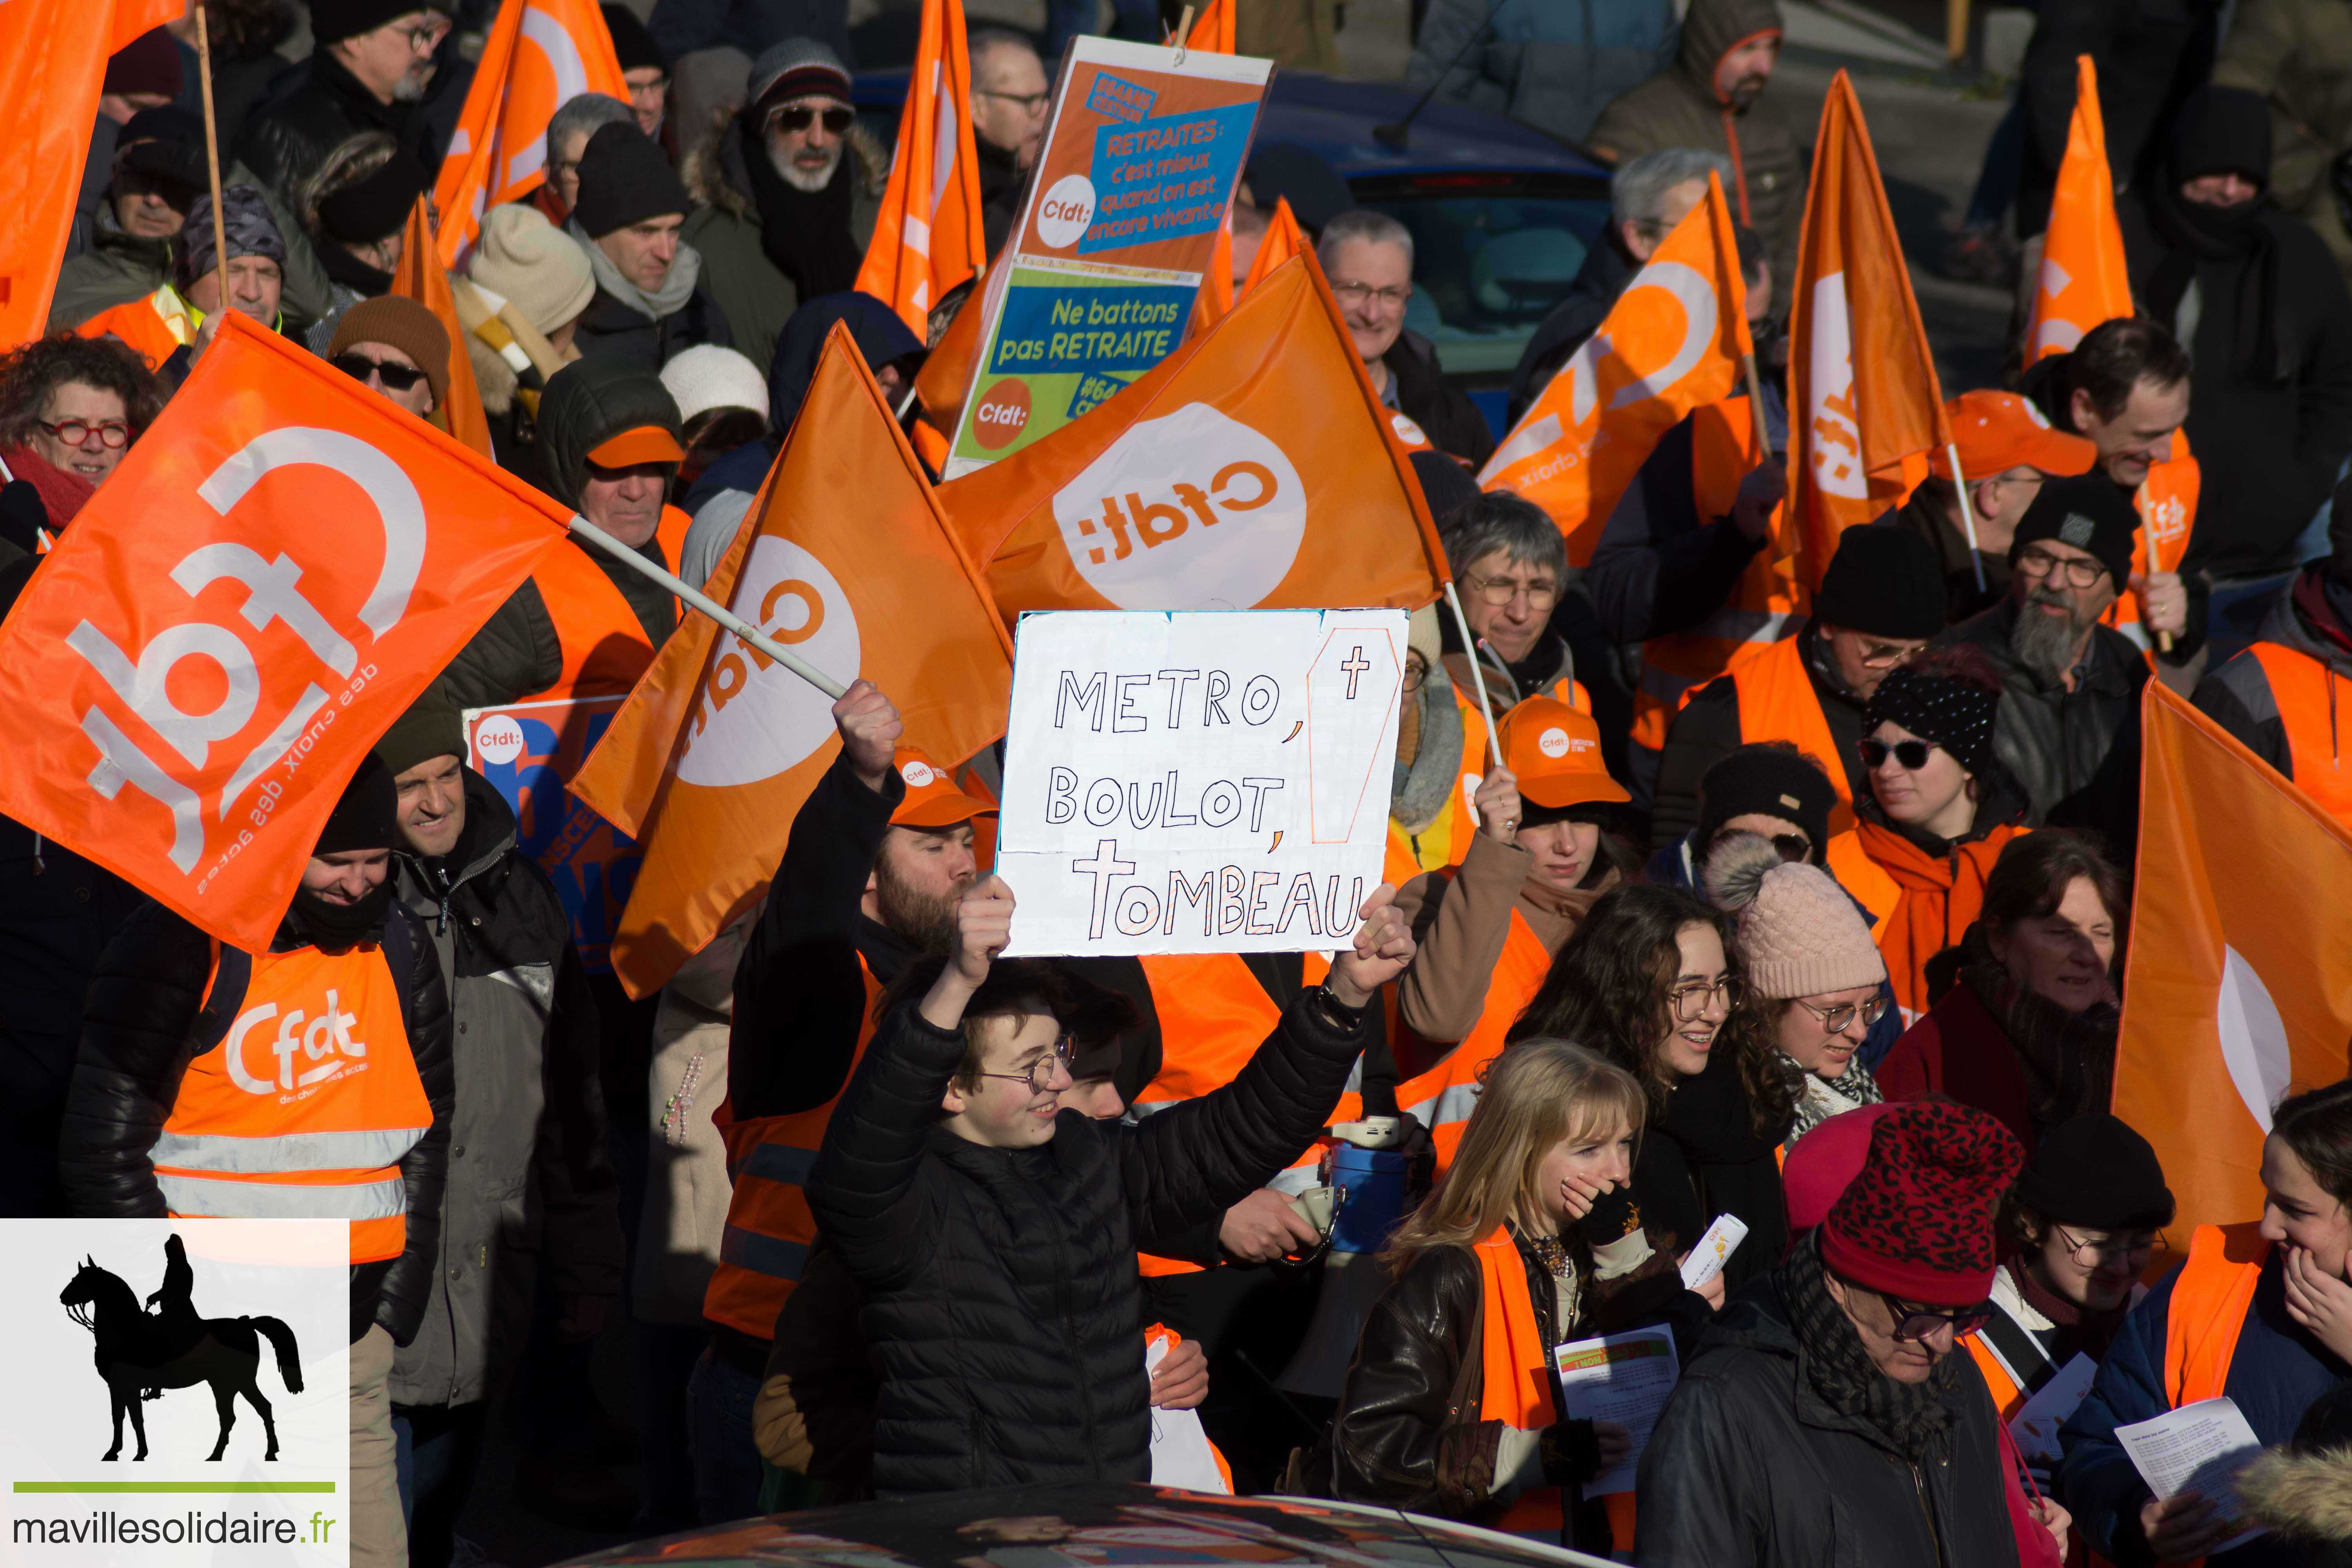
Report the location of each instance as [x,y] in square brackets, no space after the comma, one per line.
[1198,782]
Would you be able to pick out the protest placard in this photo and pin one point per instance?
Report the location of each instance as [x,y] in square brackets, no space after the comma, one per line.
[529,752]
[1197,781]
[1131,190]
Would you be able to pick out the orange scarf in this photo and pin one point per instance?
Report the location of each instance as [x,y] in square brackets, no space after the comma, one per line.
[1517,1383]
[1942,895]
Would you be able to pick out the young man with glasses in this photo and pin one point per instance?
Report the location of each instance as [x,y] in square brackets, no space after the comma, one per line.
[1368,257]
[785,194]
[373,61]
[1824,1414]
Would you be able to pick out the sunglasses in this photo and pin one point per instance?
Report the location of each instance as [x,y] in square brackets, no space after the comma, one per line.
[1915,1323]
[395,377]
[798,117]
[1909,755]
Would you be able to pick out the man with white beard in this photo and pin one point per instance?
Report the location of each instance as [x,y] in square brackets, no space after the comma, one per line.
[785,194]
[2069,724]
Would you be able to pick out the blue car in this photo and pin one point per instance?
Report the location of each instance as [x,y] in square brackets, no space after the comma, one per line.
[1502,215]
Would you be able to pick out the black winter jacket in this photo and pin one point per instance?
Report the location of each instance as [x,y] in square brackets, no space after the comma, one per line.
[2149,55]
[1003,1303]
[287,142]
[1445,414]
[140,1032]
[620,333]
[1750,1466]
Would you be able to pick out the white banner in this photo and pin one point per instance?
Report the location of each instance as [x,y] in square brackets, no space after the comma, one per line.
[1197,781]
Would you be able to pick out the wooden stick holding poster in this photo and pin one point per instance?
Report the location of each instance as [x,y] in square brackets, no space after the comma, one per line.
[1198,782]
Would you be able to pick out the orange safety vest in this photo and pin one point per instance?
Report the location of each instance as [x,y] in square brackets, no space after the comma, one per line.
[604,646]
[2304,690]
[1777,703]
[1765,606]
[307,1103]
[1447,837]
[155,326]
[2211,1298]
[2167,501]
[1442,1098]
[769,1227]
[1213,1015]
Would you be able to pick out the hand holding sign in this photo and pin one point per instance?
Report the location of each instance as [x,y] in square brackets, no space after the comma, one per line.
[1382,951]
[869,732]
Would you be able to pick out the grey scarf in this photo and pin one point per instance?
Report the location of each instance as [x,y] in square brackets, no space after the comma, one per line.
[677,289]
[1907,1417]
[1420,792]
[1820,1098]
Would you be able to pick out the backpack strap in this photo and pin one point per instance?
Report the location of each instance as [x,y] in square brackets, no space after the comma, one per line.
[232,974]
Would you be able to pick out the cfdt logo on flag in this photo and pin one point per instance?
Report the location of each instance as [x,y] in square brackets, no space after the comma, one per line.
[178,1391]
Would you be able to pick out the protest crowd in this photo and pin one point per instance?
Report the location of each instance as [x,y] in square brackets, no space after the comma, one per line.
[1818,802]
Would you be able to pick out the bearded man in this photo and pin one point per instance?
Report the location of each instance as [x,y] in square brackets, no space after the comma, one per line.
[2069,724]
[787,192]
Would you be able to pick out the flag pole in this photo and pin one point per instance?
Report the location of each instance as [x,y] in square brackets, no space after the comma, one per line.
[1477,677]
[1755,405]
[1967,513]
[2147,543]
[212,154]
[708,605]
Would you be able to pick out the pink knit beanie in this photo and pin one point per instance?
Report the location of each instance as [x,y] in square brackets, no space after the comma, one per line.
[1799,933]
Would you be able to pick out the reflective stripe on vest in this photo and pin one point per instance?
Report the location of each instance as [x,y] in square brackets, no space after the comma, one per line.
[2167,501]
[1777,702]
[1764,606]
[603,643]
[1213,1015]
[769,1227]
[2304,690]
[307,1105]
[1442,1098]
[154,326]
[2013,1363]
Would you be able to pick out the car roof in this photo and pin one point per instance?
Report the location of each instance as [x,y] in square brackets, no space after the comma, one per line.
[1118,1524]
[1334,119]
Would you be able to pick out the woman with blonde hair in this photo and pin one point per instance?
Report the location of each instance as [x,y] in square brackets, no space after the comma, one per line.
[1533,1239]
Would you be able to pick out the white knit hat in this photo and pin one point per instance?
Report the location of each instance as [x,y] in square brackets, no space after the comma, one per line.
[522,258]
[1798,932]
[706,376]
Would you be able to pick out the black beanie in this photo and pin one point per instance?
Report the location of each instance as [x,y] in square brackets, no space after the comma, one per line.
[2091,512]
[624,180]
[1939,699]
[632,44]
[1445,484]
[375,206]
[2096,1172]
[1885,582]
[1769,781]
[368,816]
[2222,131]
[332,21]
[430,728]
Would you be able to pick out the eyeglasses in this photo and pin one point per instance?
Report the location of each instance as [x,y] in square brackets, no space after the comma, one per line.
[1390,297]
[395,377]
[1496,592]
[1915,1323]
[1838,1017]
[1041,1077]
[2115,1249]
[796,118]
[1691,998]
[2079,574]
[422,39]
[1882,655]
[112,433]
[1030,102]
[1414,675]
[1909,755]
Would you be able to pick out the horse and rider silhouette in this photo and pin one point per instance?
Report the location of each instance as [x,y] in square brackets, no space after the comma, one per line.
[141,1353]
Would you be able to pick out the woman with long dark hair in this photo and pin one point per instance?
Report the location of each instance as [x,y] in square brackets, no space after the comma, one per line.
[1646,982]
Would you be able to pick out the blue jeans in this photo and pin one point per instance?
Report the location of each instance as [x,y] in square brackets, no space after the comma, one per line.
[718,1428]
[439,1448]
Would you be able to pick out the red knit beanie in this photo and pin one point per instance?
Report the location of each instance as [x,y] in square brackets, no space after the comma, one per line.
[1825,1164]
[1918,1223]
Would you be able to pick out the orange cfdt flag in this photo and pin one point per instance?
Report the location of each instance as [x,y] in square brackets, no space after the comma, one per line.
[421,278]
[1863,393]
[2239,986]
[540,54]
[2083,280]
[52,60]
[1212,34]
[1284,239]
[1676,341]
[275,572]
[1253,468]
[927,237]
[845,558]
[945,378]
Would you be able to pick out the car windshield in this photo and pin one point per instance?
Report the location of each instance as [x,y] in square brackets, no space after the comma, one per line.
[1492,253]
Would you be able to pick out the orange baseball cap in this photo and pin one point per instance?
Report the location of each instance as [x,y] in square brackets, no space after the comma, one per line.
[645,444]
[1998,431]
[932,798]
[1555,753]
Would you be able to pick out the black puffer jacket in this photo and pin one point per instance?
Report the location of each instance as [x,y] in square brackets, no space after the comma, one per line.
[287,142]
[1750,1467]
[138,1035]
[1004,1307]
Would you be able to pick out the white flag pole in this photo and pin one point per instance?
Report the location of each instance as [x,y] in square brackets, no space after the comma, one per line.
[1967,513]
[1477,677]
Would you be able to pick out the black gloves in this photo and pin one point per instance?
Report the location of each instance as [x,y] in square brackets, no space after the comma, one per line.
[1616,1215]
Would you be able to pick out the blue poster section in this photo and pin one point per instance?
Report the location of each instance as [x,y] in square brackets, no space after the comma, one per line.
[591,863]
[1165,178]
[1103,329]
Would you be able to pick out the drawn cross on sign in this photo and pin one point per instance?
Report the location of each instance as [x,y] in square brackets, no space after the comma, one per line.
[1355,664]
